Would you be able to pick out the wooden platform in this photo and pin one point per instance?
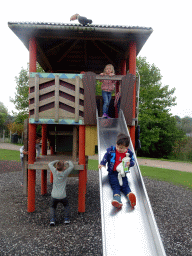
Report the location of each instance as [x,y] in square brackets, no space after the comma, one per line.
[43,161]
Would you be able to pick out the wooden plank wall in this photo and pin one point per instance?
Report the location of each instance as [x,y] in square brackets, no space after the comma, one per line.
[126,104]
[89,83]
[75,98]
[56,98]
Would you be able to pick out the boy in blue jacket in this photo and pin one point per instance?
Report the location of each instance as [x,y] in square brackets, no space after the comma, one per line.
[113,157]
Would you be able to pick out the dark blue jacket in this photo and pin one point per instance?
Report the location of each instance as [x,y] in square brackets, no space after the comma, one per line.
[109,158]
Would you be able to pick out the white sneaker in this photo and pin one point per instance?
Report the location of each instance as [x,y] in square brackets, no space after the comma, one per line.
[66,221]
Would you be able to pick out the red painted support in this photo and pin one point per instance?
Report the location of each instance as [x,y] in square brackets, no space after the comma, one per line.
[82,173]
[123,68]
[44,152]
[123,71]
[132,70]
[32,134]
[31,173]
[32,54]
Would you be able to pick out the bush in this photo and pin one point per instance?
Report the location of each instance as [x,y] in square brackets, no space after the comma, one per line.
[182,149]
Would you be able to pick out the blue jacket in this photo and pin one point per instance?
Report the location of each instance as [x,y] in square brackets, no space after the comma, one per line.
[109,158]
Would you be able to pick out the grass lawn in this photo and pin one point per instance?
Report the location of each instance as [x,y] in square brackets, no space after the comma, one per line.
[172,176]
[9,155]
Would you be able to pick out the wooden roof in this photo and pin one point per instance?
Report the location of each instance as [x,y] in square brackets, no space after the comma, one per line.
[72,48]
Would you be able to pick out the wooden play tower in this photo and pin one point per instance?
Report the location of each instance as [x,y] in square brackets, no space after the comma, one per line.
[62,100]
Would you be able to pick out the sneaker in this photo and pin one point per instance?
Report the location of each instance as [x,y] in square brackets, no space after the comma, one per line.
[117,202]
[52,222]
[66,220]
[104,115]
[131,199]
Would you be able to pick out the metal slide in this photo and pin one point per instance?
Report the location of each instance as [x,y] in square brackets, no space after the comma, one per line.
[126,231]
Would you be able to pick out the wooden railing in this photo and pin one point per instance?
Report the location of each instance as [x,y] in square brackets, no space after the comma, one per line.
[56,98]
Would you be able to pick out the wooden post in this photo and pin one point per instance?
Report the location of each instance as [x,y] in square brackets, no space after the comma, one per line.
[32,54]
[52,146]
[123,68]
[123,72]
[36,97]
[44,152]
[31,173]
[32,133]
[25,159]
[82,173]
[77,85]
[75,146]
[56,98]
[132,70]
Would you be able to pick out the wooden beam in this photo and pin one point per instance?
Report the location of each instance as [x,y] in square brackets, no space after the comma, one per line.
[69,37]
[25,159]
[45,59]
[57,46]
[36,98]
[43,102]
[44,166]
[103,52]
[85,50]
[56,98]
[77,99]
[111,47]
[60,133]
[70,48]
[75,143]
[32,54]
[115,78]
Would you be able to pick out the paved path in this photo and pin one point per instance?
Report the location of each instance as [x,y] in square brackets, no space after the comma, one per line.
[185,167]
[9,146]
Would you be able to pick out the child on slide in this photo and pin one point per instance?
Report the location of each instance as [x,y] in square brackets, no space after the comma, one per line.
[114,157]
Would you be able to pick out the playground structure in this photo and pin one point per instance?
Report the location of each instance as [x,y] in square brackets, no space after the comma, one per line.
[62,100]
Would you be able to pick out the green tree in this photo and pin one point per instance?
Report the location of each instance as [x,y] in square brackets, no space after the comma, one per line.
[5,119]
[21,101]
[3,114]
[158,127]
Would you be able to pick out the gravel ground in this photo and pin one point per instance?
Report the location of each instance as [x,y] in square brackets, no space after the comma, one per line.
[23,233]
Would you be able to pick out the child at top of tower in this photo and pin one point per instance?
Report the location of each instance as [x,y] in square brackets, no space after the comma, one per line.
[107,87]
[114,157]
[60,171]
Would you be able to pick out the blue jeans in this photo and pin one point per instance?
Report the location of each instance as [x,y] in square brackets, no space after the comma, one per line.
[114,182]
[53,207]
[106,101]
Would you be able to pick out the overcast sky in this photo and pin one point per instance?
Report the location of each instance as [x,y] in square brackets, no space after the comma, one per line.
[168,47]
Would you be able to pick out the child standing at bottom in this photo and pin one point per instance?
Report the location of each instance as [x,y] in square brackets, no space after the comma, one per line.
[113,157]
[58,194]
